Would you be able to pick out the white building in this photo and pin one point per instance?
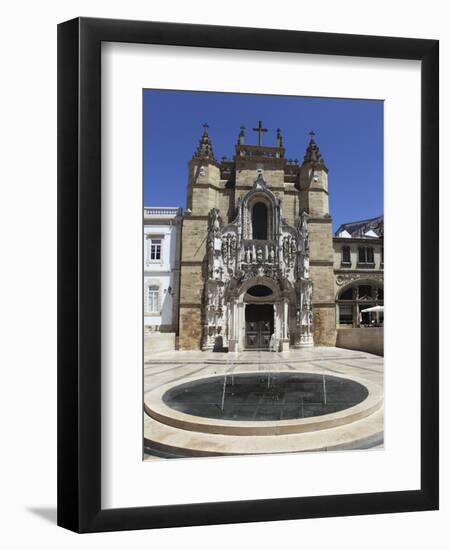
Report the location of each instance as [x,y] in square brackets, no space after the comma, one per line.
[162,227]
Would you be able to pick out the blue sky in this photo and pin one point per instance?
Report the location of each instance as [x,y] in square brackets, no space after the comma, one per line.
[349,134]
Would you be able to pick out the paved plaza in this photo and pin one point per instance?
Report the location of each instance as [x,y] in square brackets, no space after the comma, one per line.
[184,435]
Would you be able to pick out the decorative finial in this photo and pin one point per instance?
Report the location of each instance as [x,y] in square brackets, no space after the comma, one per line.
[204,149]
[279,138]
[241,136]
[312,152]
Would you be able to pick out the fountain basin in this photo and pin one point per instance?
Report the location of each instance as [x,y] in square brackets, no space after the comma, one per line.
[250,403]
[262,397]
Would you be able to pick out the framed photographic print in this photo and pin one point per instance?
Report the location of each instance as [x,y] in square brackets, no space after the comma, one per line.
[237,207]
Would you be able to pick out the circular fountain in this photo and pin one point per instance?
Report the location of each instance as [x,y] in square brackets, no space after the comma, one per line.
[263,397]
[263,403]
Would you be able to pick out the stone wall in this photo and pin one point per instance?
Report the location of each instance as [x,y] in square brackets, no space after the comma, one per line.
[322,276]
[156,342]
[361,339]
[324,325]
[190,328]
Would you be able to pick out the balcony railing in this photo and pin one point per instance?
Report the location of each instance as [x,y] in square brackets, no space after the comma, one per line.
[162,211]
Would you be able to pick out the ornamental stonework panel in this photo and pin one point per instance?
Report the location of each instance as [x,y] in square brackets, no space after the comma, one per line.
[346,278]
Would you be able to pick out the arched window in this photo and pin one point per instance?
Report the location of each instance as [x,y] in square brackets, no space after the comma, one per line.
[354,300]
[347,294]
[153,299]
[259,291]
[259,221]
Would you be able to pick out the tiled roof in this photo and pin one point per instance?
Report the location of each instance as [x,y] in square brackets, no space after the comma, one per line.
[358,229]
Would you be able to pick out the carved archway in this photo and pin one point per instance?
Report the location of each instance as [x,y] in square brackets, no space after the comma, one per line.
[260,195]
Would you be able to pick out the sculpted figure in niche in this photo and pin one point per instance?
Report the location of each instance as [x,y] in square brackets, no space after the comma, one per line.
[286,249]
[214,222]
[224,251]
[302,227]
[259,255]
[293,248]
[232,246]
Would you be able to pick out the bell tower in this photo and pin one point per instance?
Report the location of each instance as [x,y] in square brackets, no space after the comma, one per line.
[204,184]
[313,190]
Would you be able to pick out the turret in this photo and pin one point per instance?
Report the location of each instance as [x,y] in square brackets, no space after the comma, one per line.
[204,170]
[314,181]
[314,199]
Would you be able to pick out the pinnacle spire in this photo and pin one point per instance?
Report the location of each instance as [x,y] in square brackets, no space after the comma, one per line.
[205,149]
[312,151]
[279,138]
[241,136]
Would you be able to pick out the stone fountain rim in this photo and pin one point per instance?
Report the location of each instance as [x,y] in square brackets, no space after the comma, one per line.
[155,407]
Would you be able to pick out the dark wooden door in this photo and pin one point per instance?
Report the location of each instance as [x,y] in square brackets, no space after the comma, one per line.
[258,325]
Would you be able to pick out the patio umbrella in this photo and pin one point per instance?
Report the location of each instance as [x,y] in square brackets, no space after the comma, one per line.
[374,309]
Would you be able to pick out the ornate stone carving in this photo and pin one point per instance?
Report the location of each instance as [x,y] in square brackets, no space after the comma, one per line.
[345,278]
[234,259]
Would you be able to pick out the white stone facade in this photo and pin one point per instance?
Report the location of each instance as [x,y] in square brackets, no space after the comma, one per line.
[161,268]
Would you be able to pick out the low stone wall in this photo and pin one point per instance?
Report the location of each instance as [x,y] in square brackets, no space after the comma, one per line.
[155,342]
[361,339]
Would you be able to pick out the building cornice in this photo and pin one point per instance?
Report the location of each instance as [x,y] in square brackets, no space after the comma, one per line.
[367,271]
[358,240]
[320,220]
[321,263]
[192,263]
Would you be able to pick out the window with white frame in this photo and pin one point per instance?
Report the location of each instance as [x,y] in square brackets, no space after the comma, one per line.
[153,298]
[155,249]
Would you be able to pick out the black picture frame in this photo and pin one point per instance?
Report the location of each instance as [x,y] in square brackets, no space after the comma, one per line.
[79,274]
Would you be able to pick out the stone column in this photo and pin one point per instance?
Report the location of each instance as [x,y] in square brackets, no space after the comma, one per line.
[285,326]
[234,336]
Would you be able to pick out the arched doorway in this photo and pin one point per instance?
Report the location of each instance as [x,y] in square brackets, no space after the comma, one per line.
[259,316]
[259,325]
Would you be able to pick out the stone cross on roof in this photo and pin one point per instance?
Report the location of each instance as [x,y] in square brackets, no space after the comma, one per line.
[260,131]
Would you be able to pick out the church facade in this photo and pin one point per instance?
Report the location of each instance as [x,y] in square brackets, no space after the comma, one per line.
[257,256]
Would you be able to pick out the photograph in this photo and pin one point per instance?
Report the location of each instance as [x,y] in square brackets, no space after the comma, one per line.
[207,359]
[263,269]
